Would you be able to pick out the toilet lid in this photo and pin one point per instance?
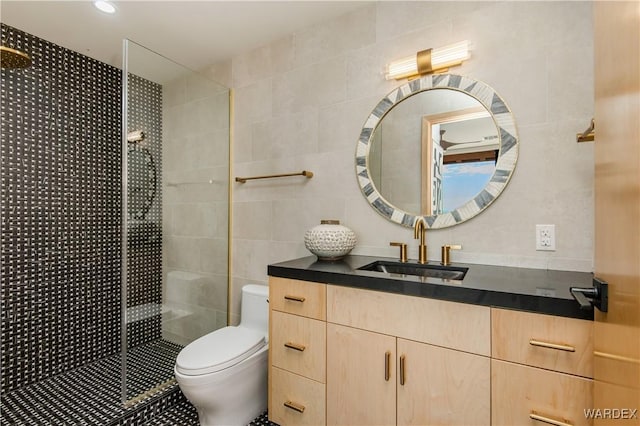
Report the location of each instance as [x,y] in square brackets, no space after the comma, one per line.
[219,350]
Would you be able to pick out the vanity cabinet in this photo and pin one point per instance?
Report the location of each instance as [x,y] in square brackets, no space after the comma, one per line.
[394,359]
[541,369]
[342,355]
[297,352]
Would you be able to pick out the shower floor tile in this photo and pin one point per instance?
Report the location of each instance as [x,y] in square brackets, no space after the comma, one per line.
[262,420]
[90,395]
[184,414]
[150,365]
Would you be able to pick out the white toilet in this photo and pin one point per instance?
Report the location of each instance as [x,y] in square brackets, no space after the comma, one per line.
[224,373]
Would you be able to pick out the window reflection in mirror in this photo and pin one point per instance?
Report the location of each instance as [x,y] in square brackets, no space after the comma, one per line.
[434,151]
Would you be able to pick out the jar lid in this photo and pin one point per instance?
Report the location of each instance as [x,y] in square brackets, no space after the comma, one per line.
[329,222]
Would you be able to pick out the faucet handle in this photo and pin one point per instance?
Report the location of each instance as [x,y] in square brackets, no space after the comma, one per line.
[403,250]
[446,252]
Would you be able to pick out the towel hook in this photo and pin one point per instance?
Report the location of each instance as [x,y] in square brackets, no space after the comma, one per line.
[588,135]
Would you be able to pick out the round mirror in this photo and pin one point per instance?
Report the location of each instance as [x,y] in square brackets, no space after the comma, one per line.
[442,147]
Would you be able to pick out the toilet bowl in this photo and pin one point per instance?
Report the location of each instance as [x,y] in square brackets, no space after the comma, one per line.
[224,373]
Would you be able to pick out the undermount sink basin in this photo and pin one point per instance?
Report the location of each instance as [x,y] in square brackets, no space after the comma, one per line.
[416,269]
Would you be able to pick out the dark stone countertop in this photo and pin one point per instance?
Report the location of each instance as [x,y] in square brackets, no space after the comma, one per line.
[533,290]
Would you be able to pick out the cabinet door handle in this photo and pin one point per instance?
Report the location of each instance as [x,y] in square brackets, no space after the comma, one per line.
[549,345]
[296,407]
[294,298]
[534,416]
[402,370]
[387,366]
[295,346]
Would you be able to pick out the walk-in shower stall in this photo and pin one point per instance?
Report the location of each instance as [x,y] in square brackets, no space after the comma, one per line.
[115,230]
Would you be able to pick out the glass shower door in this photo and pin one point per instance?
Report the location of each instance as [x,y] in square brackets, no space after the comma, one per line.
[176,215]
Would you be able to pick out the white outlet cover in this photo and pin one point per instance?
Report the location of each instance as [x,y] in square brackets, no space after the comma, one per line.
[545,237]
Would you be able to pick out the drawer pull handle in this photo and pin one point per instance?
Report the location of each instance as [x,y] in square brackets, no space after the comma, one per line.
[387,366]
[294,298]
[402,370]
[295,346]
[296,407]
[548,345]
[616,357]
[534,416]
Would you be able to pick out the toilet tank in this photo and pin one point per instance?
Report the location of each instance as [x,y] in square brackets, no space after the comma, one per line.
[254,312]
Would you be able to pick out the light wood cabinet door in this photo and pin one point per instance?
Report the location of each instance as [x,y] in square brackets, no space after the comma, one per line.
[523,395]
[361,378]
[439,386]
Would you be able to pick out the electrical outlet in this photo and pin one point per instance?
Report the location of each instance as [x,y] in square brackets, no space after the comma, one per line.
[546,237]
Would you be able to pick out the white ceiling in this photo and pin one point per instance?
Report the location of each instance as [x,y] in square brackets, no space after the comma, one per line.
[193,33]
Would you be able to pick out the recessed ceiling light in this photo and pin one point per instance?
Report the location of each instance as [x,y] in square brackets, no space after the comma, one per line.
[104,6]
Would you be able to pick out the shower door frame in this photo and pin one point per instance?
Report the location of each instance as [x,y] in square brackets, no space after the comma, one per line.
[124,174]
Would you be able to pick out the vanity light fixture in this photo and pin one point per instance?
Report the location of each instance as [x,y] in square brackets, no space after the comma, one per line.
[104,6]
[428,61]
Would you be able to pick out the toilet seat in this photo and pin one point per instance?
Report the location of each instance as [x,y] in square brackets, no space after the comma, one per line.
[219,350]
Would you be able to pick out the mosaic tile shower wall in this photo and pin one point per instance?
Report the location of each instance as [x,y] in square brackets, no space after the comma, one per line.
[144,248]
[61,211]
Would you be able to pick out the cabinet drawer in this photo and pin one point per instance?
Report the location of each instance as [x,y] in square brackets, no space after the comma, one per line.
[523,395]
[546,341]
[437,322]
[298,345]
[295,399]
[298,297]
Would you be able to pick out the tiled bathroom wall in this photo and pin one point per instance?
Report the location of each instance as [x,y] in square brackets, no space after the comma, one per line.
[144,239]
[61,242]
[301,101]
[196,207]
[61,212]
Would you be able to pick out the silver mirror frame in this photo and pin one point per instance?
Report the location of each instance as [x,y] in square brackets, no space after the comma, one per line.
[505,165]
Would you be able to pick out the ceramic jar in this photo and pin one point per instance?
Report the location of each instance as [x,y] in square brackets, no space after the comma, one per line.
[330,240]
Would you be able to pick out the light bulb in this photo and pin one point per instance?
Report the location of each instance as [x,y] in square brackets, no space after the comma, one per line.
[104,6]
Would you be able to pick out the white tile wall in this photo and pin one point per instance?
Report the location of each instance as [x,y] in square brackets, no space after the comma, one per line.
[301,102]
[196,140]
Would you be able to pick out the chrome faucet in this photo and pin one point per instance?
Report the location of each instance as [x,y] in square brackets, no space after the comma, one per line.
[420,231]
